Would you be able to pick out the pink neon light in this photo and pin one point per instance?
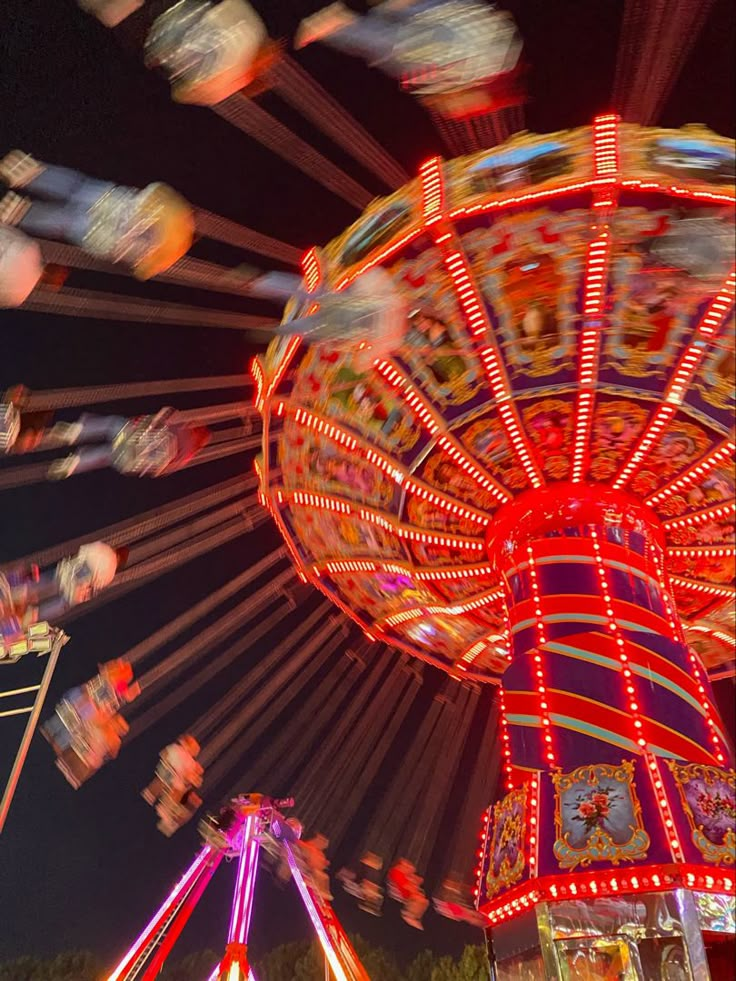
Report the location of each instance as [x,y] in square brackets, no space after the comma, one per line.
[324,939]
[185,882]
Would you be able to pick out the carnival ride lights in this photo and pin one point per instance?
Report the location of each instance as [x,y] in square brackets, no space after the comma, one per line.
[571,425]
[563,374]
[247,824]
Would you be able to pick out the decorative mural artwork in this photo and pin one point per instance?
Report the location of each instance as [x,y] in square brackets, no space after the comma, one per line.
[550,424]
[706,568]
[716,487]
[425,553]
[687,157]
[314,461]
[616,426]
[441,472]
[681,444]
[713,531]
[530,163]
[463,586]
[436,348]
[332,536]
[438,633]
[329,385]
[383,221]
[652,310]
[708,796]
[383,593]
[487,441]
[528,268]
[424,514]
[507,857]
[716,381]
[598,816]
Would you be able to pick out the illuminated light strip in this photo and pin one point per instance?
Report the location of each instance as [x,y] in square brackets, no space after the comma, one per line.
[485,830]
[462,572]
[478,326]
[666,593]
[411,535]
[641,185]
[420,490]
[709,553]
[293,554]
[256,373]
[710,632]
[289,352]
[511,200]
[728,592]
[320,501]
[340,436]
[380,257]
[593,884]
[605,145]
[679,383]
[720,455]
[347,566]
[708,707]
[700,517]
[505,739]
[538,664]
[586,185]
[664,807]
[186,881]
[596,276]
[620,642]
[534,830]
[432,187]
[456,609]
[324,503]
[312,270]
[434,426]
[328,948]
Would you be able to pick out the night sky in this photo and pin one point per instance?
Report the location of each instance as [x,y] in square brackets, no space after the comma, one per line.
[86,869]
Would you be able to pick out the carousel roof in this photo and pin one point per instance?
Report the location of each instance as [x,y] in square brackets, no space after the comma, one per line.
[571,299]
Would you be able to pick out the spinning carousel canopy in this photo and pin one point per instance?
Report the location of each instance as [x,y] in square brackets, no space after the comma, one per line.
[571,322]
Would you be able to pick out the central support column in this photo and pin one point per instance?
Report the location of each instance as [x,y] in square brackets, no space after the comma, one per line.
[600,667]
[614,752]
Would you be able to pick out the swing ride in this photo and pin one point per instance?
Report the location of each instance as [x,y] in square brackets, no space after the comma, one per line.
[494,431]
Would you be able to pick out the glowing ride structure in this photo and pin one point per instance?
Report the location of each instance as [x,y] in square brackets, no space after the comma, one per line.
[536,490]
[245,826]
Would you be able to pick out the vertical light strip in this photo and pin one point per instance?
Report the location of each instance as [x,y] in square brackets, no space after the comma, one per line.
[709,324]
[664,808]
[433,190]
[534,825]
[595,289]
[547,746]
[628,677]
[485,831]
[505,739]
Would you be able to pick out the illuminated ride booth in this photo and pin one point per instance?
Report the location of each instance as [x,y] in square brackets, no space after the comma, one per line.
[535,490]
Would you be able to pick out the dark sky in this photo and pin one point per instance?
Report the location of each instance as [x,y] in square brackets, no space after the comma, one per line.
[85,869]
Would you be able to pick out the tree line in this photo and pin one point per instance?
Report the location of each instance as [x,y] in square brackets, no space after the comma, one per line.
[289,962]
